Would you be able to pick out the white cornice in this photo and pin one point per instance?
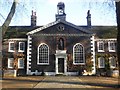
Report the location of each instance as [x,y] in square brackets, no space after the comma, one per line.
[111,39]
[16,39]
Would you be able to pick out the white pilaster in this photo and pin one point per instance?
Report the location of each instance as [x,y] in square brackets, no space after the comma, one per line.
[93,54]
[29,48]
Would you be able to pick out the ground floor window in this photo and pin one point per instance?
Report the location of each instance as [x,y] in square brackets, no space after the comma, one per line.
[101,62]
[20,63]
[112,62]
[78,54]
[10,62]
[43,54]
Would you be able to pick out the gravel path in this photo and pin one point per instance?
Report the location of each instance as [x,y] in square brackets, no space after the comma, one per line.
[62,82]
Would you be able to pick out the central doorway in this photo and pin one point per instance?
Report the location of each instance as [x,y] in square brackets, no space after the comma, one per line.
[61,65]
[61,62]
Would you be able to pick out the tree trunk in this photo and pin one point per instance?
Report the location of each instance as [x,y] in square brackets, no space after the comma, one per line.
[9,17]
[118,35]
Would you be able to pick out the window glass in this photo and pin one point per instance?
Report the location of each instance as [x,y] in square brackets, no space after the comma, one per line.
[43,54]
[78,54]
[10,62]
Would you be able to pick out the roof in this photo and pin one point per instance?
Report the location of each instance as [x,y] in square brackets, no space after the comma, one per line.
[105,31]
[100,31]
[18,31]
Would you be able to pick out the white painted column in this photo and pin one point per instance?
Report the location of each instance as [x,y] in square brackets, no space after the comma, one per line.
[93,54]
[29,48]
[65,64]
[56,65]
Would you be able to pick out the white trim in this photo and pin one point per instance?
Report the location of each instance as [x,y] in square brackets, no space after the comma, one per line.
[29,48]
[23,47]
[9,60]
[19,67]
[93,54]
[83,55]
[38,63]
[109,46]
[9,48]
[98,46]
[16,39]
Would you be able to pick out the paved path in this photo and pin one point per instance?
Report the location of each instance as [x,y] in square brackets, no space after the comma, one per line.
[61,82]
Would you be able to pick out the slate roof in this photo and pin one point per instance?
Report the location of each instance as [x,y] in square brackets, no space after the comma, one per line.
[18,31]
[22,31]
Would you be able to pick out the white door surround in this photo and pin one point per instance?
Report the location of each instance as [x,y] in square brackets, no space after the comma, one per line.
[61,54]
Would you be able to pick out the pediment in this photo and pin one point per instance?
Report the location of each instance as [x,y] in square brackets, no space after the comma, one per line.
[59,27]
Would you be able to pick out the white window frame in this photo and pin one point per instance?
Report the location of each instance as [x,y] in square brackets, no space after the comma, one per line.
[9,63]
[20,67]
[9,48]
[23,47]
[39,56]
[114,59]
[74,55]
[98,46]
[109,46]
[99,62]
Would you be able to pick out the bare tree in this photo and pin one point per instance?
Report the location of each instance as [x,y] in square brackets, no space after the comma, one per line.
[9,17]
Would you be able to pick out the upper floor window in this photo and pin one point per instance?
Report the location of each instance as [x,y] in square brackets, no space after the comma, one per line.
[11,47]
[112,62]
[20,63]
[78,54]
[10,62]
[101,62]
[111,46]
[21,47]
[43,54]
[100,45]
[61,44]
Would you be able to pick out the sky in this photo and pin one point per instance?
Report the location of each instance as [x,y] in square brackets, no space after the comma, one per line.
[102,13]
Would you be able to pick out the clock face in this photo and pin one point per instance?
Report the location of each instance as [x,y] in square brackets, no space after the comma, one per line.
[60,27]
[60,11]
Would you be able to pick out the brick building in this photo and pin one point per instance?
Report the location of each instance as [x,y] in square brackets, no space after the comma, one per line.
[59,47]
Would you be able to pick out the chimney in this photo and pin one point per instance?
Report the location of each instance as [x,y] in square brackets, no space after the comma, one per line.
[88,19]
[33,18]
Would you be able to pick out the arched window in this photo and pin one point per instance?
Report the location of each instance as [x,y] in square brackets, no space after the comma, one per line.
[61,44]
[43,54]
[112,62]
[101,62]
[78,54]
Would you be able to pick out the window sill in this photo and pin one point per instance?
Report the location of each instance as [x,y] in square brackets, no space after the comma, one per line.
[11,51]
[20,67]
[79,63]
[101,67]
[112,51]
[10,67]
[21,51]
[101,51]
[42,63]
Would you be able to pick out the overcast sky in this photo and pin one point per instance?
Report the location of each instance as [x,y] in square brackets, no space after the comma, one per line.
[102,13]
